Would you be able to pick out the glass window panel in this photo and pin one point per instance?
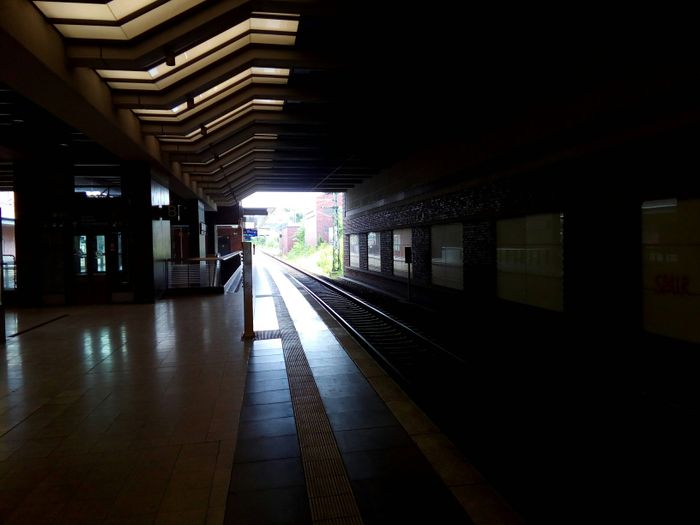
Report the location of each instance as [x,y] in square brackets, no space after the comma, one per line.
[9,267]
[120,253]
[446,255]
[100,254]
[401,239]
[671,268]
[355,251]
[80,254]
[374,259]
[529,260]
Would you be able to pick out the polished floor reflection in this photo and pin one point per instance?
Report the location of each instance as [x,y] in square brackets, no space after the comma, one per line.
[161,414]
[120,414]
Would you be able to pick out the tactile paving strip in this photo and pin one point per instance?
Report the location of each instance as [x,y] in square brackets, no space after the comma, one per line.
[329,490]
[261,335]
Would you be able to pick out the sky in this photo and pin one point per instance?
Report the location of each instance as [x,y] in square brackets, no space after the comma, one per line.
[276,199]
[7,204]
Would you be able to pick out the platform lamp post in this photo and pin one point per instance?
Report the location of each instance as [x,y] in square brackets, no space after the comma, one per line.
[248,332]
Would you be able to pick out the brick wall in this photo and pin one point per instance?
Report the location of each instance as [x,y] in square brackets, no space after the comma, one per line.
[479,242]
[476,208]
[386,247]
[363,251]
[421,255]
[287,238]
[346,251]
[600,196]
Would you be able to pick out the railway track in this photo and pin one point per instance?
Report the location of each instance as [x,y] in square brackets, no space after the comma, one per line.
[517,413]
[473,406]
[424,368]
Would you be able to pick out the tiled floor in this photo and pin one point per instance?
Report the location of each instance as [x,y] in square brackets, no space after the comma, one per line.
[121,414]
[136,413]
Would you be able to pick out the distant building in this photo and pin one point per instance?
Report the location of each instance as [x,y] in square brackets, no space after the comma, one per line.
[318,223]
[287,234]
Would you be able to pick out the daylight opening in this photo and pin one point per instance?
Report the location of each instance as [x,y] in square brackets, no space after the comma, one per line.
[304,228]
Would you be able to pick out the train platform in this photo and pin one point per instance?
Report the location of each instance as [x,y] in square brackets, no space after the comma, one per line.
[162,414]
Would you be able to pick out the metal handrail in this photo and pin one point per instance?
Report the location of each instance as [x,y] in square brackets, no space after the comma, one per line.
[200,272]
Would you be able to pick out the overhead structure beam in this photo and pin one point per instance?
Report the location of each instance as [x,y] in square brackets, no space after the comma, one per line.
[214,94]
[33,63]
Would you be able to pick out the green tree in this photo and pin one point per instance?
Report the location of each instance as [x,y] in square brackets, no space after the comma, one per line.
[300,238]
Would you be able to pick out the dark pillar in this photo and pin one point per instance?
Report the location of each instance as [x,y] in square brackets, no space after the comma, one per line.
[149,244]
[210,238]
[479,242]
[386,247]
[420,239]
[43,194]
[362,239]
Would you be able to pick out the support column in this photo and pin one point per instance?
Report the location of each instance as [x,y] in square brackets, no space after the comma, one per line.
[43,194]
[149,232]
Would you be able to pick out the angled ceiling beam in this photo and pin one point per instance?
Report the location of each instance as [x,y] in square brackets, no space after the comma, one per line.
[281,134]
[33,63]
[264,148]
[279,118]
[222,70]
[250,93]
[198,25]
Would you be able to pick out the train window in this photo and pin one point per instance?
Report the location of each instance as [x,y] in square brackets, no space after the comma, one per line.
[354,251]
[529,260]
[401,239]
[374,256]
[447,255]
[671,267]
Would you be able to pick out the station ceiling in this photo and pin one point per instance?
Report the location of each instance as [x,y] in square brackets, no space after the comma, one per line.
[229,97]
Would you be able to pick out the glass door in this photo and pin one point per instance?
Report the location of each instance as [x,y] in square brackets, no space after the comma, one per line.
[90,268]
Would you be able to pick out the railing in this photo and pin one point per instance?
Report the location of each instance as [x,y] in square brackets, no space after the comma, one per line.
[202,272]
[9,272]
[229,264]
